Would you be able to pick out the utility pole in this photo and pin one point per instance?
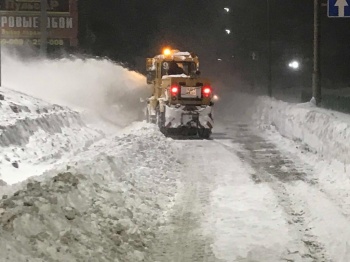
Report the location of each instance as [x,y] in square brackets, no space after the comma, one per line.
[269,73]
[316,87]
[43,28]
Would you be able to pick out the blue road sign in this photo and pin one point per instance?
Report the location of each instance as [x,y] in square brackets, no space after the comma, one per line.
[338,8]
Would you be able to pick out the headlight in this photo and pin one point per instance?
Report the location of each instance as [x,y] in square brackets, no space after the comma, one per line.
[215,98]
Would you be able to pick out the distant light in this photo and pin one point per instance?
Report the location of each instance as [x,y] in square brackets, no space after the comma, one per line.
[219,59]
[227,9]
[294,65]
[216,98]
[228,31]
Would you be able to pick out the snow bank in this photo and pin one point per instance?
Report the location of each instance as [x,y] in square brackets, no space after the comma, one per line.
[323,131]
[93,84]
[34,134]
[103,205]
[90,196]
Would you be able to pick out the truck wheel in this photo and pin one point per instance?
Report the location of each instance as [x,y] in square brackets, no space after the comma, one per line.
[149,118]
[161,120]
[204,133]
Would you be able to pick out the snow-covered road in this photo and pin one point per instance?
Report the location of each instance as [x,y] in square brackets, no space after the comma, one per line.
[138,196]
[242,198]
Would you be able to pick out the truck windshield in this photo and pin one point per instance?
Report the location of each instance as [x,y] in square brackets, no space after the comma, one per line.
[178,68]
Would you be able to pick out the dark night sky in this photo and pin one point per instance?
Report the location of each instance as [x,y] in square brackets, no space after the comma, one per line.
[130,30]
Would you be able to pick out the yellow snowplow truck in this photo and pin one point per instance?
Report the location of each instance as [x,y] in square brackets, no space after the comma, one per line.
[182,101]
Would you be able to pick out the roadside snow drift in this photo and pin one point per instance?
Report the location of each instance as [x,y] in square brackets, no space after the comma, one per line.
[35,134]
[69,190]
[103,205]
[323,131]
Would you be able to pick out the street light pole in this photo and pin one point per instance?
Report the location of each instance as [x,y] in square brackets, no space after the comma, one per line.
[269,73]
[316,87]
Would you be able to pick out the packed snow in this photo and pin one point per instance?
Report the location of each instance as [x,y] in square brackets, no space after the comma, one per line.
[243,214]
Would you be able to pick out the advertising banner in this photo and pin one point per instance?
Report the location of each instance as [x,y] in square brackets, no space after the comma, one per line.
[20,22]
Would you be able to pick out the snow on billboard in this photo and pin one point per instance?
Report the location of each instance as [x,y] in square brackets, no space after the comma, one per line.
[20,22]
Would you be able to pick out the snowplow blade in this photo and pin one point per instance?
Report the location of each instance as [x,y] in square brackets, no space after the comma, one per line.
[188,121]
[189,116]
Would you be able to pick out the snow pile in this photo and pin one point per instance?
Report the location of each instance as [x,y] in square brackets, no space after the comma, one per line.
[322,131]
[90,196]
[93,84]
[103,205]
[34,132]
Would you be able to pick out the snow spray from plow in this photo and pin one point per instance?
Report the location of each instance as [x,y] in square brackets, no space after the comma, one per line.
[98,86]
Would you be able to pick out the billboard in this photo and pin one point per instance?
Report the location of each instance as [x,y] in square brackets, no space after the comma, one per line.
[20,22]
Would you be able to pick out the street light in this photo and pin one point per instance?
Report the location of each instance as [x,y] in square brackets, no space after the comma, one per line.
[227,9]
[228,31]
[295,65]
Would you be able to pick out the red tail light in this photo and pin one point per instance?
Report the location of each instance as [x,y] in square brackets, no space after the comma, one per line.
[206,90]
[174,90]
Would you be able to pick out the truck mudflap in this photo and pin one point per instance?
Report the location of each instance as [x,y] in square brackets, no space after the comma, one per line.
[189,116]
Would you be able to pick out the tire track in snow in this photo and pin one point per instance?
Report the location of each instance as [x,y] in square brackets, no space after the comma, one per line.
[182,238]
[278,171]
[313,179]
